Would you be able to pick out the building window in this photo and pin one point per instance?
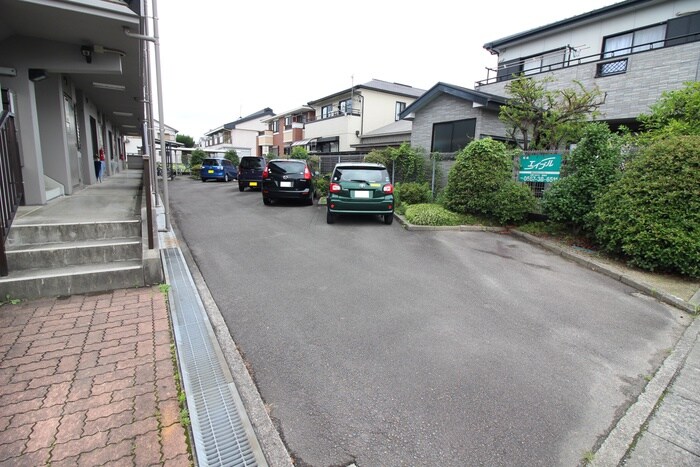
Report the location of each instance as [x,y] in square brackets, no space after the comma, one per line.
[287,122]
[635,41]
[345,106]
[683,29]
[453,136]
[275,126]
[611,68]
[326,111]
[400,107]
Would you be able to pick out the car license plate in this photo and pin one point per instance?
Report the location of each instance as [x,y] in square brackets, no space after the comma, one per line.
[286,184]
[211,171]
[361,194]
[253,184]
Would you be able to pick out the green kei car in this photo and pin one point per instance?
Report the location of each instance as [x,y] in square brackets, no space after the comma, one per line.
[360,188]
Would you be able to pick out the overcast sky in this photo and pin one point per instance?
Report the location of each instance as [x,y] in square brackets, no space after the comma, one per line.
[225,59]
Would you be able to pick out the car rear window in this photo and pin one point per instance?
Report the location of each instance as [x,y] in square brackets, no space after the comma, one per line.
[211,162]
[251,163]
[364,174]
[287,167]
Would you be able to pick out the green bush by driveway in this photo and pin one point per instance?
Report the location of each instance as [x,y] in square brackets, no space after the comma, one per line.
[652,214]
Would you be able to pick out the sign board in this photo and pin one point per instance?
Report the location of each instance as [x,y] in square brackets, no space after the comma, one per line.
[539,167]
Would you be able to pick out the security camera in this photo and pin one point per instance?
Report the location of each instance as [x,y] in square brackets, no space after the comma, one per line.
[87,53]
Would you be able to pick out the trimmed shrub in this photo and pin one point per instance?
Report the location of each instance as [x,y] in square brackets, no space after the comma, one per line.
[651,215]
[412,193]
[194,171]
[322,184]
[591,168]
[232,155]
[478,173]
[431,214]
[513,202]
[197,157]
[378,157]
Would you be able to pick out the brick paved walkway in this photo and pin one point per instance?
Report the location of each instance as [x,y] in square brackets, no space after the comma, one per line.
[89,380]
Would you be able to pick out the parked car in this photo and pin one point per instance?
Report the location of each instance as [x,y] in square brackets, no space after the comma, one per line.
[250,170]
[215,168]
[287,179]
[360,188]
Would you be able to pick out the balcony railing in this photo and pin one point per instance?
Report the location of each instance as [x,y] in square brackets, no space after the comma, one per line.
[338,113]
[610,61]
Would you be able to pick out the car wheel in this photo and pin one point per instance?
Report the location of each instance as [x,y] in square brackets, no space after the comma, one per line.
[226,179]
[204,179]
[310,200]
[240,187]
[267,201]
[330,217]
[388,218]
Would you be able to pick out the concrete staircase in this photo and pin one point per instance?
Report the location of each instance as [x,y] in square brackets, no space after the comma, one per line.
[50,260]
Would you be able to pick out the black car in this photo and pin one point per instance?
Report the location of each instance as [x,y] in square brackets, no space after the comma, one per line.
[287,179]
[250,170]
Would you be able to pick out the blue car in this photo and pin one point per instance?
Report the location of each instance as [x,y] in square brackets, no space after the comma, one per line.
[218,169]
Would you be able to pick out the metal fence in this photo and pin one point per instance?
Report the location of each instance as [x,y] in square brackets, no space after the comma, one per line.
[438,165]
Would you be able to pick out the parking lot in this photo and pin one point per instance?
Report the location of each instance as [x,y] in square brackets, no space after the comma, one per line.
[375,345]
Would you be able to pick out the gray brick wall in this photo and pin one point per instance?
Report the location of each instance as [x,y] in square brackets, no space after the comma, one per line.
[447,108]
[648,75]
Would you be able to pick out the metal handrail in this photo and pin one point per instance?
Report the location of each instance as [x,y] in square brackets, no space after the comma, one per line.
[11,184]
[570,61]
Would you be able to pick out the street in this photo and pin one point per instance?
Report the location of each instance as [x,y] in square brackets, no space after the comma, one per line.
[384,347]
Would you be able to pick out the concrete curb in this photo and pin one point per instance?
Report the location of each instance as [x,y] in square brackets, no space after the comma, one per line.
[459,228]
[627,280]
[622,437]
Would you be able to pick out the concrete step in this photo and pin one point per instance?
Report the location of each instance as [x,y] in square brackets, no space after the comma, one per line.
[59,233]
[69,280]
[49,256]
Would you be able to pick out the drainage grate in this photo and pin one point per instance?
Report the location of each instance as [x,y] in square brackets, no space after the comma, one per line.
[223,435]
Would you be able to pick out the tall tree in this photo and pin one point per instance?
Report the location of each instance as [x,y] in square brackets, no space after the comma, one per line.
[541,118]
[188,141]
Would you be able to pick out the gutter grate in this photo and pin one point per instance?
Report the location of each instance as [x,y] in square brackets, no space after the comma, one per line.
[223,435]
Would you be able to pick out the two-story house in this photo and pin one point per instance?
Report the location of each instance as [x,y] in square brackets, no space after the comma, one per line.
[285,130]
[240,135]
[341,119]
[633,51]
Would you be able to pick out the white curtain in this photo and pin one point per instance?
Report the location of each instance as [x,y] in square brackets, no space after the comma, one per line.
[618,45]
[650,38]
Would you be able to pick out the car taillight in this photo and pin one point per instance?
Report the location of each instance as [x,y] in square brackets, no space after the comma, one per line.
[266,172]
[388,189]
[334,188]
[307,173]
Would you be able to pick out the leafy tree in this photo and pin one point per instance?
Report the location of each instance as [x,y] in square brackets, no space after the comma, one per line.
[591,168]
[406,162]
[676,113]
[232,155]
[188,141]
[197,157]
[299,152]
[651,214]
[540,118]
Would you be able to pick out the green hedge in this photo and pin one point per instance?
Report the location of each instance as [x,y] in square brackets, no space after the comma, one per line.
[651,215]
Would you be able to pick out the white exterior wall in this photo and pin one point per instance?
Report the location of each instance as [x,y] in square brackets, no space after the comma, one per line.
[380,108]
[588,37]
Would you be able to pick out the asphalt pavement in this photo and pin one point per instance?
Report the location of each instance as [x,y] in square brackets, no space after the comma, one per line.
[375,345]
